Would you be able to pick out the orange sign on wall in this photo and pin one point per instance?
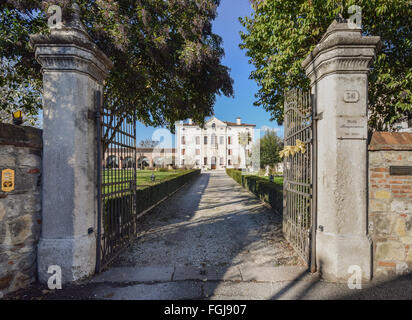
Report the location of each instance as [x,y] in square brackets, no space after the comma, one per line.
[7,180]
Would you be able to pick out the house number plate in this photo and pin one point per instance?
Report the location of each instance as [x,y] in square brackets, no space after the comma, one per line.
[7,180]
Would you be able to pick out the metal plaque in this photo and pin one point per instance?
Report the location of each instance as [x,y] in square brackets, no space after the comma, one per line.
[7,180]
[400,170]
[352,127]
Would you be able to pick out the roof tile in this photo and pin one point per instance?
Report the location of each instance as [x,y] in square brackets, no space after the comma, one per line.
[391,141]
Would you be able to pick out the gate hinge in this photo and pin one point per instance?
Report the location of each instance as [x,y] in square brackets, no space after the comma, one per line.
[91,115]
[319,116]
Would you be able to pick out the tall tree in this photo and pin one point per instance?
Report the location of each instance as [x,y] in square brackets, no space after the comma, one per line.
[167,60]
[280,34]
[270,145]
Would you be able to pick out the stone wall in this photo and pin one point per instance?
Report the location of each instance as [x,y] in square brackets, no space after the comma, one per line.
[390,203]
[20,210]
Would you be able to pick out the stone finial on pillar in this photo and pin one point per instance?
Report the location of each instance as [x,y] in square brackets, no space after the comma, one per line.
[73,70]
[338,70]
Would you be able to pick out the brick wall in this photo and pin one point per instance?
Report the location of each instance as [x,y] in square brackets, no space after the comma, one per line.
[20,210]
[390,203]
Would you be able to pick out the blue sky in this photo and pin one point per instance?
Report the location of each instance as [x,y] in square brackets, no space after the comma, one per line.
[227,25]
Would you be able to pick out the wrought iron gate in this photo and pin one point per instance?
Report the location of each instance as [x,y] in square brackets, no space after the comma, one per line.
[116,180]
[299,200]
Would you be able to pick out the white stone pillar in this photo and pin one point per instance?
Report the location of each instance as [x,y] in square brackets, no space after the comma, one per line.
[338,70]
[73,69]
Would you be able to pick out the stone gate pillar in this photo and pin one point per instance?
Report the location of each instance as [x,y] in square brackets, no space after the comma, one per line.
[73,69]
[338,70]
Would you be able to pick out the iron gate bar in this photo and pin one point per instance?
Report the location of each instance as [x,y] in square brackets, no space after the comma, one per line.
[300,183]
[305,194]
[315,119]
[298,174]
[117,182]
[99,180]
[119,110]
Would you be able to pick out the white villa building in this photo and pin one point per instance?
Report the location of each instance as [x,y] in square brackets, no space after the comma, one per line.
[216,146]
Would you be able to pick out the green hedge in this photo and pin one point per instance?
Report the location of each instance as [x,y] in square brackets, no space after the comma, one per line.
[119,210]
[151,195]
[270,192]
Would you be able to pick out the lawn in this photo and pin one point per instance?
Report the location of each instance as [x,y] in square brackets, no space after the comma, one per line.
[143,178]
[277,180]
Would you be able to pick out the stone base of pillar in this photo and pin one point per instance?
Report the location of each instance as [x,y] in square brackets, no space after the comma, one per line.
[76,257]
[336,253]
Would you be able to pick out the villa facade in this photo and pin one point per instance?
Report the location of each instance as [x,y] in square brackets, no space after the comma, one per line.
[218,145]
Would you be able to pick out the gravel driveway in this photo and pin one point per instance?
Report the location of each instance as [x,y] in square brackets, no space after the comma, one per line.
[211,222]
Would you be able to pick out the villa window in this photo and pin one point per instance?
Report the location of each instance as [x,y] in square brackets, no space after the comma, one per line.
[229,152]
[197,152]
[222,140]
[214,126]
[213,140]
[222,161]
[205,139]
[183,152]
[197,140]
[205,161]
[229,162]
[229,140]
[183,140]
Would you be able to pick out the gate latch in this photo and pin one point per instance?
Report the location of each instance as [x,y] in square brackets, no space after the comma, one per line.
[319,116]
[91,115]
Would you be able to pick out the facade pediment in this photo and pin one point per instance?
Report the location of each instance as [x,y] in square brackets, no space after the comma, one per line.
[213,120]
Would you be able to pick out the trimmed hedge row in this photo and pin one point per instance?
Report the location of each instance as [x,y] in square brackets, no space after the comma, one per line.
[271,193]
[119,210]
[151,195]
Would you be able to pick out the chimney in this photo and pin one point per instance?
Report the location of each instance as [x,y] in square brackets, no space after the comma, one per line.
[190,121]
[238,121]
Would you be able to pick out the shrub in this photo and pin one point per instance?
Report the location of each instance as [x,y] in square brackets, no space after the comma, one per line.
[151,195]
[270,192]
[117,210]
